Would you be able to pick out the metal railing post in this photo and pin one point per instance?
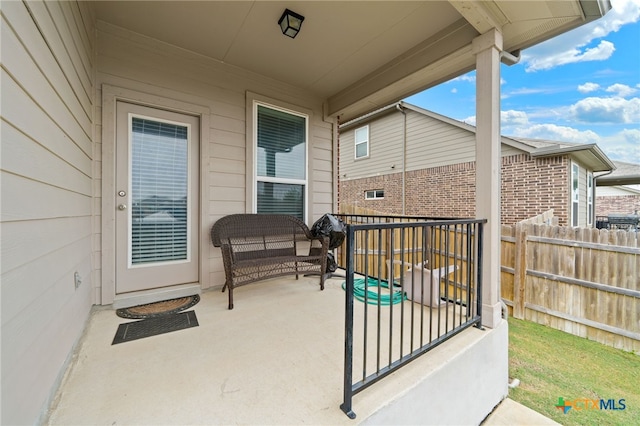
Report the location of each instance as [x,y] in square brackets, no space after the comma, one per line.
[348,327]
[479,244]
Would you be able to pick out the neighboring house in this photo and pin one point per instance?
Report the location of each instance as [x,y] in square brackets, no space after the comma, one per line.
[403,159]
[619,192]
[209,103]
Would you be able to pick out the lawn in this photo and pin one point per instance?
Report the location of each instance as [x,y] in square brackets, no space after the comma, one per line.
[551,364]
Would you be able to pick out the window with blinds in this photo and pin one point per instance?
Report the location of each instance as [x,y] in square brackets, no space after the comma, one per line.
[281,167]
[158,193]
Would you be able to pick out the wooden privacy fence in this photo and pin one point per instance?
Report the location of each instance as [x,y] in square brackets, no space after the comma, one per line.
[386,253]
[580,280]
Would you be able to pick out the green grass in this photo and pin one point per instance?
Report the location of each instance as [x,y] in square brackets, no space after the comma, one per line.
[551,364]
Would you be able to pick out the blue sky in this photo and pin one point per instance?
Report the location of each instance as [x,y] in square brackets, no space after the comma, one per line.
[582,86]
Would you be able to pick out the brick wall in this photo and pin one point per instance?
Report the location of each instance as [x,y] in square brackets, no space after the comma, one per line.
[529,187]
[445,191]
[618,204]
[352,192]
[532,186]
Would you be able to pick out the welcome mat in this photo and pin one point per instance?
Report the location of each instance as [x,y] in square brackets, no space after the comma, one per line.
[154,326]
[152,310]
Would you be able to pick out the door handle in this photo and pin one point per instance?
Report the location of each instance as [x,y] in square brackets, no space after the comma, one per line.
[122,207]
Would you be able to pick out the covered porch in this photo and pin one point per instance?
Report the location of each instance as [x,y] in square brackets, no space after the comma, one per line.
[77,74]
[277,358]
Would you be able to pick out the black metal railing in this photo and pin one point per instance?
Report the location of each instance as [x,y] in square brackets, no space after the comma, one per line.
[411,284]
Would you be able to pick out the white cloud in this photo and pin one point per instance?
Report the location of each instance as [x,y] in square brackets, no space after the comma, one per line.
[557,133]
[623,146]
[588,87]
[606,110]
[513,118]
[454,90]
[470,120]
[508,118]
[529,91]
[599,53]
[469,78]
[621,90]
[573,46]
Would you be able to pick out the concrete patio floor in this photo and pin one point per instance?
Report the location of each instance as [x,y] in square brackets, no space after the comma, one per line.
[277,358]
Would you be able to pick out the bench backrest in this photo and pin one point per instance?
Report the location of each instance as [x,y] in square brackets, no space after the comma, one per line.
[259,235]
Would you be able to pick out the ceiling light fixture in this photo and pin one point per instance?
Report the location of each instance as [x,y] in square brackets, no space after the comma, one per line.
[290,23]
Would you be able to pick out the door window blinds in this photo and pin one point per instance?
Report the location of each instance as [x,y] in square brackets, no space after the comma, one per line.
[159,185]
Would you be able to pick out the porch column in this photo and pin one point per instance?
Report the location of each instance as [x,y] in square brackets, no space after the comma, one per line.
[487,48]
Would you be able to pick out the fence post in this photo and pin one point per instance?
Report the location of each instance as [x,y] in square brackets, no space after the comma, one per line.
[520,270]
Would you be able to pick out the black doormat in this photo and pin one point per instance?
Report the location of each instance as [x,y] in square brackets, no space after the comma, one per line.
[157,309]
[154,326]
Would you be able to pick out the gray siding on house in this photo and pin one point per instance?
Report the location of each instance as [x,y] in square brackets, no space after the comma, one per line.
[46,170]
[433,143]
[139,63]
[385,148]
[430,143]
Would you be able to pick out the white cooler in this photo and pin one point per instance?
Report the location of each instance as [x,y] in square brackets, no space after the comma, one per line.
[415,276]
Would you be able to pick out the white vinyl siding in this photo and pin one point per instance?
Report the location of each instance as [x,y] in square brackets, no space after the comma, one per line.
[47,173]
[433,143]
[430,143]
[384,157]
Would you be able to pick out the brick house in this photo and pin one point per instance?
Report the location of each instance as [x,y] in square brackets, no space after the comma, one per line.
[403,159]
[614,195]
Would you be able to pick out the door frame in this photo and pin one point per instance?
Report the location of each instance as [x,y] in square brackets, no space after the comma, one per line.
[107,255]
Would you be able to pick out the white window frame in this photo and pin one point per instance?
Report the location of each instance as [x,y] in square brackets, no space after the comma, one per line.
[590,212]
[304,182]
[356,143]
[374,194]
[575,194]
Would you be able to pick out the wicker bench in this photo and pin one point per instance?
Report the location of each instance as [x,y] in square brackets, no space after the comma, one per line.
[260,246]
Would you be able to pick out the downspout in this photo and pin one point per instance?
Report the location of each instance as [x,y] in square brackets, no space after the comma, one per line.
[404,155]
[593,195]
[510,58]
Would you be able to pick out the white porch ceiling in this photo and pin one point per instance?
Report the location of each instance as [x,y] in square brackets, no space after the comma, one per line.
[358,55]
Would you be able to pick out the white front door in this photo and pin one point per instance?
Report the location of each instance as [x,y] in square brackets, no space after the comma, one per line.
[156,195]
